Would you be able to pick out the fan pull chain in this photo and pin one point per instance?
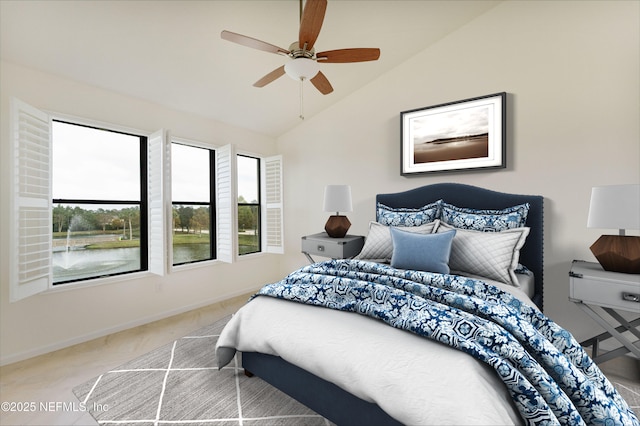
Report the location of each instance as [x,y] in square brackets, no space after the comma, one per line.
[301,98]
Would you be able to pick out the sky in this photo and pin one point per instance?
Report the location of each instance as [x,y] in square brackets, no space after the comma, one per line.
[462,122]
[113,173]
[189,173]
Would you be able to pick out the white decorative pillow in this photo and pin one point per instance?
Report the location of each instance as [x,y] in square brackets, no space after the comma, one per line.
[492,255]
[378,246]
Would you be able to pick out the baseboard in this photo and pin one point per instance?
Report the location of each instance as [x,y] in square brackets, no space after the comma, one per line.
[21,356]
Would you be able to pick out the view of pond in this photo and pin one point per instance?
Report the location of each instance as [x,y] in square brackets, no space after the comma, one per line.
[190,252]
[73,261]
[71,264]
[80,263]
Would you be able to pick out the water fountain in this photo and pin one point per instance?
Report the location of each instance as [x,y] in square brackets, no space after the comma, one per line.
[74,261]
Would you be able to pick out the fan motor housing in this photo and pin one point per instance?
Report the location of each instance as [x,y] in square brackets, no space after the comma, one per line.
[297,52]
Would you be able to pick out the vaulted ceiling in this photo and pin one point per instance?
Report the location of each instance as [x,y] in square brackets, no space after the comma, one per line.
[171,53]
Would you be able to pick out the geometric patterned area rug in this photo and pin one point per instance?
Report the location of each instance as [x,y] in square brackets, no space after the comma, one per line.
[630,391]
[180,384]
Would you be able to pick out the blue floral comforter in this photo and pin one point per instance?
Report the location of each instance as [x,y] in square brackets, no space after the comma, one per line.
[549,376]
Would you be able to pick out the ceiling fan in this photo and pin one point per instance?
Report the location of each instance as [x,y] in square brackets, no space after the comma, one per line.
[304,61]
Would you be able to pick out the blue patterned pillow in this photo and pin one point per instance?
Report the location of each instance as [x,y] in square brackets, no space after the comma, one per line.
[485,220]
[523,270]
[390,216]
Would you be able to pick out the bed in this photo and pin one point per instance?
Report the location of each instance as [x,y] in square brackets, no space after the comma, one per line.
[399,338]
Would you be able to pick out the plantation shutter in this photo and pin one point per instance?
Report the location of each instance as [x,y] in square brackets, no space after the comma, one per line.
[273,226]
[226,203]
[159,196]
[31,216]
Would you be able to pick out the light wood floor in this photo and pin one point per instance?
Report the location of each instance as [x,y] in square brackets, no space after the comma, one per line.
[49,378]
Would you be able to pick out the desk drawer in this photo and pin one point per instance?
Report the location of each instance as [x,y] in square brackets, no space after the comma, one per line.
[324,248]
[336,248]
[603,293]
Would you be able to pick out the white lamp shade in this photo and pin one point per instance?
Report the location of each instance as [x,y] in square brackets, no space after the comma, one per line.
[301,68]
[337,198]
[615,207]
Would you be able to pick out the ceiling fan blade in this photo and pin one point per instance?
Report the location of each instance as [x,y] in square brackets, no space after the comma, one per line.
[321,83]
[277,73]
[311,23]
[252,42]
[349,55]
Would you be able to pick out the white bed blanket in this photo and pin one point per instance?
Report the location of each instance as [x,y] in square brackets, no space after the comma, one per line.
[415,380]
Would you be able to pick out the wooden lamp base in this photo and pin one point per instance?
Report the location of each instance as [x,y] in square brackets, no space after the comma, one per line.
[337,226]
[618,253]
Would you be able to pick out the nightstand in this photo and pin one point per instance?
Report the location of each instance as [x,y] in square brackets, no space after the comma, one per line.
[595,290]
[336,248]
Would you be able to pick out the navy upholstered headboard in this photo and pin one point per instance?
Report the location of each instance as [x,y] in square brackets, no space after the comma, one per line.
[461,195]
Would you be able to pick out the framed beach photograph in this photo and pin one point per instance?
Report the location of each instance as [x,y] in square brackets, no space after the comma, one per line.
[462,135]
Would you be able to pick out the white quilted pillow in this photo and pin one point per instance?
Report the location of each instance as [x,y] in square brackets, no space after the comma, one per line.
[492,255]
[378,246]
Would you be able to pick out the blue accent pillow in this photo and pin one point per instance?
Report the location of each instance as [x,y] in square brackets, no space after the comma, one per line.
[421,252]
[390,216]
[485,220]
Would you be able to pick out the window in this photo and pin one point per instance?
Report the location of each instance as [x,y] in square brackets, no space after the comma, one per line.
[99,202]
[248,169]
[193,220]
[90,202]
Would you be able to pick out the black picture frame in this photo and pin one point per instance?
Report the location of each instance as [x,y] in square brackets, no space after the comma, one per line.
[469,134]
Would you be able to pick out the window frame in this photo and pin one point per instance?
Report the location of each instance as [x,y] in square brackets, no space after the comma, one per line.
[271,209]
[143,203]
[259,189]
[212,206]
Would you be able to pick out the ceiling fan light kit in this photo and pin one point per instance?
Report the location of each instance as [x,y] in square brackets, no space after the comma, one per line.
[303,64]
[302,69]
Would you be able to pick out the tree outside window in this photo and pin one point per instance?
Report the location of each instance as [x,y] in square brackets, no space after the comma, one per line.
[248,204]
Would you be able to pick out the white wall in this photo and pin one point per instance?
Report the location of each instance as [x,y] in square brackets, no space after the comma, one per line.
[571,70]
[59,318]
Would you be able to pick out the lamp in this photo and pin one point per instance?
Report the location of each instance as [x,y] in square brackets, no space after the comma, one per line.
[301,68]
[616,207]
[337,198]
